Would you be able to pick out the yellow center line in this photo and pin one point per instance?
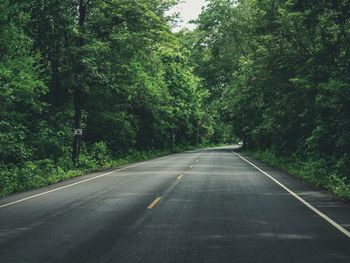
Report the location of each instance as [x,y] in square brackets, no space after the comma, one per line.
[180,176]
[154,203]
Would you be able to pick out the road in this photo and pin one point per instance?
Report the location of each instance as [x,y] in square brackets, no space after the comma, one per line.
[199,206]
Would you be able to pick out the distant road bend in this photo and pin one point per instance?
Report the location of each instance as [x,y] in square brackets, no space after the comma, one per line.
[210,205]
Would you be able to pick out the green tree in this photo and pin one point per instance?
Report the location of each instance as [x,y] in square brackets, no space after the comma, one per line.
[21,88]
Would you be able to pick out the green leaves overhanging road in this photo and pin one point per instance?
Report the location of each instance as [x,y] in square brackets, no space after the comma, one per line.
[274,74]
[112,69]
[279,71]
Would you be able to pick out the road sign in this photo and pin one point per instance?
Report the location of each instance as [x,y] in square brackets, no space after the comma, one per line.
[78,132]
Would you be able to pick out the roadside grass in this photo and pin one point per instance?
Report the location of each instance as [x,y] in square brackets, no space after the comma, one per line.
[35,174]
[315,172]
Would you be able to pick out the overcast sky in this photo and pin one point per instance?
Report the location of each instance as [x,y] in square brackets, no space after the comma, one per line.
[189,10]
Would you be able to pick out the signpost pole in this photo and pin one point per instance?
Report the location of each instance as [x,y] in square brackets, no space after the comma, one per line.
[78,133]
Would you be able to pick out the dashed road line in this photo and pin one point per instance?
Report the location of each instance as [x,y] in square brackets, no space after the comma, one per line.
[154,203]
[180,176]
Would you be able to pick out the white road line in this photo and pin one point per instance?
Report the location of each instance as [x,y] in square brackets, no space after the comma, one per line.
[70,185]
[314,209]
[180,176]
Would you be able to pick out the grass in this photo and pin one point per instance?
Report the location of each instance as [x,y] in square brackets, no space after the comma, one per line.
[315,172]
[35,174]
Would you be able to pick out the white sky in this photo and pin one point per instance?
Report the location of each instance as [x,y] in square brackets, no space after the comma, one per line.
[189,10]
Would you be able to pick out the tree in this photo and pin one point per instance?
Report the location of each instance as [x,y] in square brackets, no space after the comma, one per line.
[21,88]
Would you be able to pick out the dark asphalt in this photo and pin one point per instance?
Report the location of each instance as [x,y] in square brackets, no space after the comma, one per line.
[221,210]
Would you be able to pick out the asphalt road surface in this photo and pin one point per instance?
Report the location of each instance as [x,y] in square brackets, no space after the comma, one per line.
[200,206]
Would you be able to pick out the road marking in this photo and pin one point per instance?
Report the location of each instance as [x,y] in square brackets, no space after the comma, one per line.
[179,177]
[70,185]
[154,203]
[314,209]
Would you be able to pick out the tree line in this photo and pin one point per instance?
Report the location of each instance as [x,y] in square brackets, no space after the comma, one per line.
[109,69]
[272,73]
[279,71]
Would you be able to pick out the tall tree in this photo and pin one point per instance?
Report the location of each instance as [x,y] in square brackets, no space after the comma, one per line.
[21,88]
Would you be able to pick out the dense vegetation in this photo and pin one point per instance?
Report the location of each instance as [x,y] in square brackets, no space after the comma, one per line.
[281,72]
[111,68]
[273,73]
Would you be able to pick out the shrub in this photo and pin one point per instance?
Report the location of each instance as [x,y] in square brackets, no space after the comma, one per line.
[316,172]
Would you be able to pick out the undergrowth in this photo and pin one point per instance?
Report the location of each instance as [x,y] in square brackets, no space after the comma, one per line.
[316,172]
[34,174]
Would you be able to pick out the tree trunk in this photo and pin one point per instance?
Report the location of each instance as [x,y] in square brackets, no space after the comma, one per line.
[197,132]
[79,93]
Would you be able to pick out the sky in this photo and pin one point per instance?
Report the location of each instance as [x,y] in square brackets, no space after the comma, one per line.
[189,10]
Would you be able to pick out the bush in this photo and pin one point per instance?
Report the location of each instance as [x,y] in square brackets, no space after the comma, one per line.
[30,175]
[33,174]
[339,186]
[316,172]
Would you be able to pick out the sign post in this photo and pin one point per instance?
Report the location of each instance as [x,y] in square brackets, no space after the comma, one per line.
[78,133]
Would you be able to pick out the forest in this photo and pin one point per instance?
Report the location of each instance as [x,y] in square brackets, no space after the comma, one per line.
[280,73]
[272,73]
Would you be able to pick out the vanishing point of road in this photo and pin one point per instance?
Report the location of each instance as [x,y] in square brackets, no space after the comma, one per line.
[210,205]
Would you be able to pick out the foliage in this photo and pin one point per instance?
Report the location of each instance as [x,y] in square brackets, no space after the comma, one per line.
[112,68]
[272,73]
[33,174]
[280,70]
[21,89]
[315,172]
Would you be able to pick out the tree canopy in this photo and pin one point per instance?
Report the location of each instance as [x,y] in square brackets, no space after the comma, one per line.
[281,72]
[112,68]
[272,73]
